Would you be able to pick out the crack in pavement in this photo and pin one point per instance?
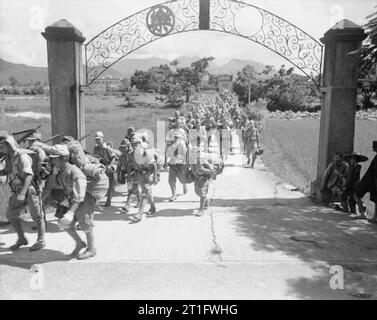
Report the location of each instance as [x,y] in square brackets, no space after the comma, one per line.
[216,251]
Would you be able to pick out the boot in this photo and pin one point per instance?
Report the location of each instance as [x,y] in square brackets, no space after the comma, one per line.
[139,215]
[174,194]
[253,161]
[206,206]
[108,202]
[109,196]
[21,241]
[362,208]
[201,209]
[152,210]
[41,227]
[138,197]
[344,207]
[126,207]
[79,243]
[91,250]
[79,246]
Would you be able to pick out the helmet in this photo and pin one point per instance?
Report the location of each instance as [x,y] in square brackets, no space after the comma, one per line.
[131,131]
[99,134]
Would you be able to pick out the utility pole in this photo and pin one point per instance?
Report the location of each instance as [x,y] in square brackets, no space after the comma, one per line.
[249,71]
[249,91]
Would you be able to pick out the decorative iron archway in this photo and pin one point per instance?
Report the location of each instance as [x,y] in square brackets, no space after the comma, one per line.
[178,16]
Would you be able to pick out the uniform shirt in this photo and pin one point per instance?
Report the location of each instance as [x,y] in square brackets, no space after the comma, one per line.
[126,162]
[19,166]
[73,182]
[104,154]
[252,135]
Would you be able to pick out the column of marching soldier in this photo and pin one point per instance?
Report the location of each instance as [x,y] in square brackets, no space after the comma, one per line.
[74,180]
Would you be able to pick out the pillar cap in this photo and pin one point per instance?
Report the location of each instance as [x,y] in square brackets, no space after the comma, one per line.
[344,30]
[63,30]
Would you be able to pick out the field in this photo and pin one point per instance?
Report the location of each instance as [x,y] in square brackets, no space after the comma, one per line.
[291,148]
[290,145]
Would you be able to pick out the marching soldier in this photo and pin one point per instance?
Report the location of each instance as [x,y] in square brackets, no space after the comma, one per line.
[176,152]
[107,157]
[146,176]
[25,191]
[127,172]
[252,143]
[203,172]
[130,134]
[79,203]
[33,145]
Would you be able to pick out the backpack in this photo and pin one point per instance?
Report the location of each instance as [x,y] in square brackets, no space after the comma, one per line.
[36,164]
[97,181]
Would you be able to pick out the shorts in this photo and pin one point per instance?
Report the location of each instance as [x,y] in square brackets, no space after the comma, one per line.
[84,214]
[16,208]
[251,147]
[201,185]
[177,172]
[146,182]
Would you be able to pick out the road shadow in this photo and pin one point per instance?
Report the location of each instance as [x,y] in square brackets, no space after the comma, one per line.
[359,283]
[299,228]
[24,259]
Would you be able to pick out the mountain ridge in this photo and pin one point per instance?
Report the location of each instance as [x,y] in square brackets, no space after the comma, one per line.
[26,74]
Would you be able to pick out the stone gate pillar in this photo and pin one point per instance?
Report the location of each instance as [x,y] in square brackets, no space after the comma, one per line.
[65,71]
[339,82]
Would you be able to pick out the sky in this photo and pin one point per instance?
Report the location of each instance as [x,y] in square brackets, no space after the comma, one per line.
[22,21]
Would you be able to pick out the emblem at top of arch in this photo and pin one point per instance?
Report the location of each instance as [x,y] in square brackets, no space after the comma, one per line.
[160,20]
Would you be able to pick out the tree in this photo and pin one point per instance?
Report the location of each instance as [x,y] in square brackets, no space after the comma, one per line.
[13,81]
[187,78]
[367,84]
[289,91]
[247,86]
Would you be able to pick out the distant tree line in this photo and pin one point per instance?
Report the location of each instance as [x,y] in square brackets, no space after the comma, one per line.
[177,83]
[282,89]
[15,88]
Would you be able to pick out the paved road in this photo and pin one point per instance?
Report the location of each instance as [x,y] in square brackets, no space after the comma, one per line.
[258,240]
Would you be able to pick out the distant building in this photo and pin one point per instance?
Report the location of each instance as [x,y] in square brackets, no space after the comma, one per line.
[224,82]
[107,81]
[204,81]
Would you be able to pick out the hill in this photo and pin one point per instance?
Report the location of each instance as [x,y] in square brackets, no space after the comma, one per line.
[125,68]
[128,66]
[23,73]
[236,65]
[28,74]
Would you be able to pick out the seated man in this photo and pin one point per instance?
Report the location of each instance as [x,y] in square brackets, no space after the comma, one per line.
[334,178]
